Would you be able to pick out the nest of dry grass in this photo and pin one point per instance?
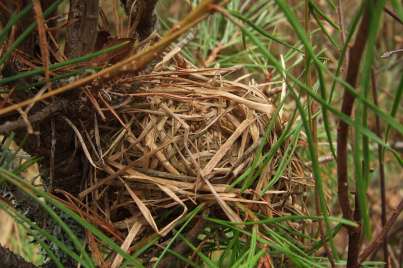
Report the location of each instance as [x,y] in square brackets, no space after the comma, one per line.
[164,142]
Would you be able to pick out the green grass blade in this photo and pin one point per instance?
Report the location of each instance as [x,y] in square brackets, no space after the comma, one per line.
[21,38]
[13,20]
[263,32]
[322,27]
[258,155]
[16,181]
[361,158]
[398,6]
[365,131]
[40,233]
[395,106]
[56,66]
[205,259]
[252,247]
[11,178]
[191,216]
[316,9]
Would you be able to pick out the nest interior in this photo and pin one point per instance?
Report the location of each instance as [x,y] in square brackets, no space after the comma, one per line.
[159,144]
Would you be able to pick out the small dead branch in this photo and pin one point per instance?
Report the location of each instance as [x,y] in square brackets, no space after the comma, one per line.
[393,15]
[380,237]
[39,116]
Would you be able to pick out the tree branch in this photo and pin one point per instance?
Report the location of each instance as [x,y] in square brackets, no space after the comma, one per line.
[41,115]
[380,237]
[354,61]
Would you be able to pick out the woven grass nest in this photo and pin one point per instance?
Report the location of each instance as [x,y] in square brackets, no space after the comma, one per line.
[167,141]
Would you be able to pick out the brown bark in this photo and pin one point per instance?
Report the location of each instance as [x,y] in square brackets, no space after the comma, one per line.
[82,30]
[145,22]
[354,61]
[62,165]
[10,260]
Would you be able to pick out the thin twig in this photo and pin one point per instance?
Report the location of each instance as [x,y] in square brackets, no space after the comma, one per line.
[380,237]
[43,43]
[41,115]
[393,15]
[387,54]
[52,154]
[347,107]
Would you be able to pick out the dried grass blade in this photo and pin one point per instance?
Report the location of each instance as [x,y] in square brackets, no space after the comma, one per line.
[81,139]
[126,244]
[227,209]
[171,194]
[143,208]
[225,147]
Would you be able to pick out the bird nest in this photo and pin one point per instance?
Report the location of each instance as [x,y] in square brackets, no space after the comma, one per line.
[165,142]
